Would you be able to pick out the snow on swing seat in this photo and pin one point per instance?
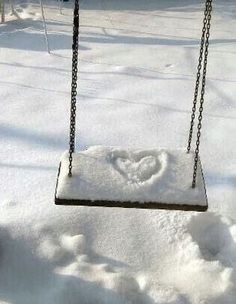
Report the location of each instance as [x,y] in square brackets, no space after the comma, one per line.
[114,177]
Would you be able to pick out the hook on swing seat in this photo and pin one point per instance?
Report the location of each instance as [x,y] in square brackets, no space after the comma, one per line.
[115,177]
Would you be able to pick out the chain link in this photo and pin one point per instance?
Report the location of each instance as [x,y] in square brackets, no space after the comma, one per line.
[75,50]
[199,126]
[199,68]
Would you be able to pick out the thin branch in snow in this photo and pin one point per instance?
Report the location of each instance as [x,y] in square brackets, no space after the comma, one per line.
[44,26]
[2,10]
[60,6]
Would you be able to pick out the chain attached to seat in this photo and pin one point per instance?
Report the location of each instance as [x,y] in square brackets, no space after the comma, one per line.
[75,50]
[202,59]
[203,56]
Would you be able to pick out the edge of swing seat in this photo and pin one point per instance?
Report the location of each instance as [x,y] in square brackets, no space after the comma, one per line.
[133,204]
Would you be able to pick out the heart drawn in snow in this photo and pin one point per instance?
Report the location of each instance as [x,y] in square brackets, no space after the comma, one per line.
[139,167]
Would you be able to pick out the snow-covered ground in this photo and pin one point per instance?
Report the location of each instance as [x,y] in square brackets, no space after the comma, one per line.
[137,70]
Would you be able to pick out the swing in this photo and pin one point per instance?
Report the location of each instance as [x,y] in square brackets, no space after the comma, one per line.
[151,179]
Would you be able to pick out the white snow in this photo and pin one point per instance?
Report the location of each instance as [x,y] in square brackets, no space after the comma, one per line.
[115,174]
[137,69]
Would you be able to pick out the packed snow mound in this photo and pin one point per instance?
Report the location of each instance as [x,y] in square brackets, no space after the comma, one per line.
[115,174]
[205,260]
[65,268]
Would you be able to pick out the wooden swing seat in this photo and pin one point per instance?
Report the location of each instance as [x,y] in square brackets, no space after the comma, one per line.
[114,177]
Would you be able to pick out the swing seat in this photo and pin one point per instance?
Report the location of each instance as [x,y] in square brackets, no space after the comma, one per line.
[114,177]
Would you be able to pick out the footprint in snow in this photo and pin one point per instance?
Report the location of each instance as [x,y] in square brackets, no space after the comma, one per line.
[82,277]
[203,264]
[62,249]
[215,237]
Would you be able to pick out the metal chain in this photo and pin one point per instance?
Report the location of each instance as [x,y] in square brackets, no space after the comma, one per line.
[204,44]
[75,50]
[199,68]
[199,126]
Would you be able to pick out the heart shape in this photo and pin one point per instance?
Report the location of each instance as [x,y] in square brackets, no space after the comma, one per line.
[139,168]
